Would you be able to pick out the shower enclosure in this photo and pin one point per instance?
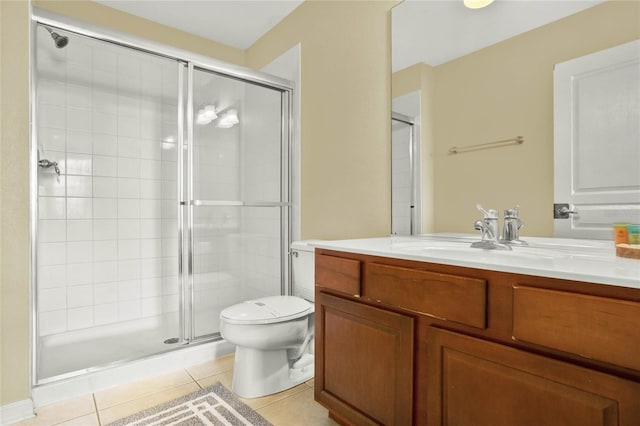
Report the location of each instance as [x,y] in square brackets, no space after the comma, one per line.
[403,187]
[160,194]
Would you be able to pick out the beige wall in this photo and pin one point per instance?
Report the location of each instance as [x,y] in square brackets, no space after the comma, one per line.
[14,225]
[345,129]
[504,91]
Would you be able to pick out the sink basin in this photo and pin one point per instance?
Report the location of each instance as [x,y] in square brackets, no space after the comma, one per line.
[457,245]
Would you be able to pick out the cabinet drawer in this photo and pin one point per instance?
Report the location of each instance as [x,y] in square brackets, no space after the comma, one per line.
[450,297]
[338,274]
[594,327]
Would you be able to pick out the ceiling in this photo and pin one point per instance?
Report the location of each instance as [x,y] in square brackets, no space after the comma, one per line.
[236,23]
[429,31]
[437,31]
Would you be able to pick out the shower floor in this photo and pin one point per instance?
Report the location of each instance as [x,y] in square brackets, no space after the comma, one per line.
[67,354]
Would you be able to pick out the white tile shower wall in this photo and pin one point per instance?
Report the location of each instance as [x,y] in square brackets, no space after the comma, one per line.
[401,179]
[261,274]
[261,171]
[107,224]
[217,272]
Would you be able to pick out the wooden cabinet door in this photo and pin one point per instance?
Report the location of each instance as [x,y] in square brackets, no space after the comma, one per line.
[474,382]
[364,362]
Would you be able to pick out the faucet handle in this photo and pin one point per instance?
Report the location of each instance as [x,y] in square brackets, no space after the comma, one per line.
[488,214]
[512,213]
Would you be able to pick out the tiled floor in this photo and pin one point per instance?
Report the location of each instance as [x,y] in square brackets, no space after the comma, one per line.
[292,407]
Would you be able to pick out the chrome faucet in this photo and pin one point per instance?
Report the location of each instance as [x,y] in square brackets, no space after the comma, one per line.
[489,228]
[511,226]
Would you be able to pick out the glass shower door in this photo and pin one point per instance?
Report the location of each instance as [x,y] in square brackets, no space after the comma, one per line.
[238,196]
[160,196]
[106,242]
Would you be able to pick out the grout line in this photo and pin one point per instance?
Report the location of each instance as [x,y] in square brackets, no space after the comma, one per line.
[95,406]
[193,378]
[65,420]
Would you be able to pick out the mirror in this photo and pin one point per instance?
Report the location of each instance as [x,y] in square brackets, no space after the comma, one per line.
[491,78]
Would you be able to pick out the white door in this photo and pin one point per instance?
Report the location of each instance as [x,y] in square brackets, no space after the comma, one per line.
[597,142]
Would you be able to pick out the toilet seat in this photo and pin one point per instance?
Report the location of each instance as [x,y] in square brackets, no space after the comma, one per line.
[267,310]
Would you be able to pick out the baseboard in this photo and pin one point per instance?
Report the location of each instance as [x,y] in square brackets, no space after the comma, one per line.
[16,411]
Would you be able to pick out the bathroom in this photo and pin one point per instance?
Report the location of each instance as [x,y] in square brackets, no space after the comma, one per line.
[359,168]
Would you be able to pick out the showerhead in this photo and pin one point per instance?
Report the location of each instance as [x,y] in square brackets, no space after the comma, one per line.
[60,41]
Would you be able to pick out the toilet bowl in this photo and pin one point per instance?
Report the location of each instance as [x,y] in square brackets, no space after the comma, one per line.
[274,335]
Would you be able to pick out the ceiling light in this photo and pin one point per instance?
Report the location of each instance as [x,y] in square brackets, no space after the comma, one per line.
[202,120]
[206,115]
[210,112]
[228,119]
[477,4]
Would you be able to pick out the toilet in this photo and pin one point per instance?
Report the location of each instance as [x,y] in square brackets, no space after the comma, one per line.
[274,335]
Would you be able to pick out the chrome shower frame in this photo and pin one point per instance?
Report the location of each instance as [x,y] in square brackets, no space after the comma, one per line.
[186,62]
[414,171]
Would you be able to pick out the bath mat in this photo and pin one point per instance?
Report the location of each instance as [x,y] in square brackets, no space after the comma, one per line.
[214,405]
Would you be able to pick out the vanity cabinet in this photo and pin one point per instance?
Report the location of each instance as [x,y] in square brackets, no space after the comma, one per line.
[369,356]
[473,382]
[402,342]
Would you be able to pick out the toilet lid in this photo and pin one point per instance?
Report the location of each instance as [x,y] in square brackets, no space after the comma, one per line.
[267,310]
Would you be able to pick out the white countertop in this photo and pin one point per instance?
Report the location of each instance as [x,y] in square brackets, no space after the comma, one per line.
[572,259]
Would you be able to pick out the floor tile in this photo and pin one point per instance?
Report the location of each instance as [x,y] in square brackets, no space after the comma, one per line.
[151,400]
[291,407]
[216,366]
[88,420]
[298,409]
[255,403]
[224,378]
[120,394]
[62,411]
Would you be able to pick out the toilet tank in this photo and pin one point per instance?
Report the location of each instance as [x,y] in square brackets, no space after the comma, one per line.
[303,269]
